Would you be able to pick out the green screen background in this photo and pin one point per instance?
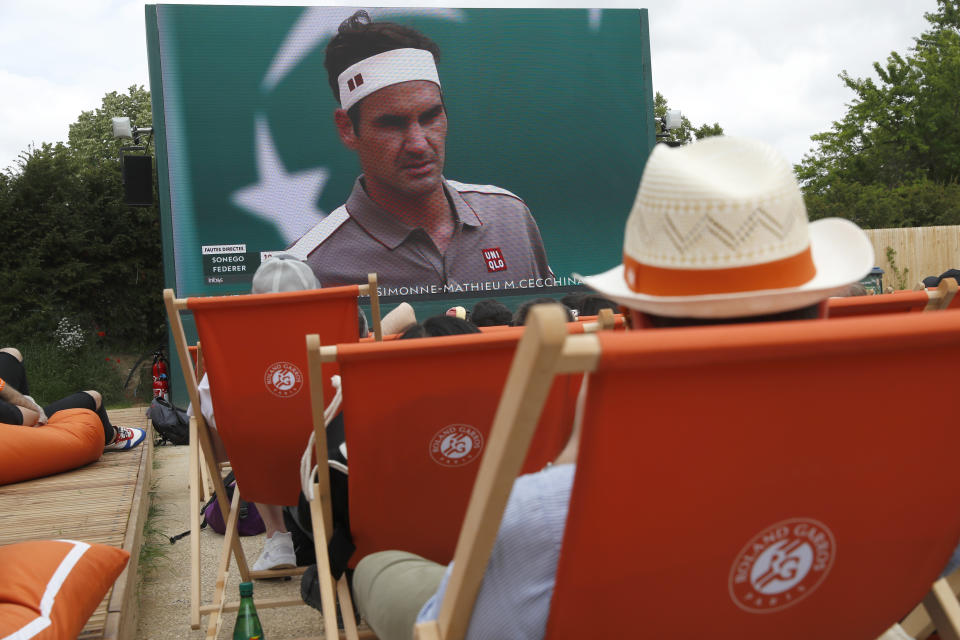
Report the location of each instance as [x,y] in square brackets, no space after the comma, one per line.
[555,105]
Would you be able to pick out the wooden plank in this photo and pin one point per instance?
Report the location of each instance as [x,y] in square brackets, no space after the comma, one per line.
[104,502]
[122,608]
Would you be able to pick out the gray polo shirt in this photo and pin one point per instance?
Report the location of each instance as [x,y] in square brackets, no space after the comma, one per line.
[495,246]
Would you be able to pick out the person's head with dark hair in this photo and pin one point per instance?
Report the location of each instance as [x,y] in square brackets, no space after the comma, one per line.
[391,113]
[589,304]
[950,273]
[931,281]
[574,300]
[520,315]
[359,38]
[490,313]
[719,234]
[436,326]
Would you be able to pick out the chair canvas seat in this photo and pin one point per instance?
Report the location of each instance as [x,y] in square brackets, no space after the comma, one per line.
[253,353]
[417,415]
[738,480]
[793,445]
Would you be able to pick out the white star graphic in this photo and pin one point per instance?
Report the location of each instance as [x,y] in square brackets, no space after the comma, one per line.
[594,17]
[288,200]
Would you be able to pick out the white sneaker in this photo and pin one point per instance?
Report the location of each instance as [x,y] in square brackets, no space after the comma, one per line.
[277,553]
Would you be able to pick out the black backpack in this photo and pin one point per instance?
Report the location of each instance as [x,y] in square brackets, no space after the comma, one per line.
[170,422]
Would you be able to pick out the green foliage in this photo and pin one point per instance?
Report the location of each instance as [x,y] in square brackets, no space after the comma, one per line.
[80,251]
[894,158]
[918,203]
[155,547]
[900,275]
[56,372]
[687,132]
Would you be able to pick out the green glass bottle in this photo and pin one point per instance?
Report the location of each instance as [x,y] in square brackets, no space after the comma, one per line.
[248,624]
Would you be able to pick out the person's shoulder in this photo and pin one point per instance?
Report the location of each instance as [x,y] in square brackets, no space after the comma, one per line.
[482,191]
[320,233]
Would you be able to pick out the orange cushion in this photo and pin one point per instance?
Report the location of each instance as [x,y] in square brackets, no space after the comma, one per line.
[71,439]
[49,588]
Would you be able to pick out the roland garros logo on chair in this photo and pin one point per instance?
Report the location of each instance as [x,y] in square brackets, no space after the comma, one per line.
[456,445]
[283,379]
[782,565]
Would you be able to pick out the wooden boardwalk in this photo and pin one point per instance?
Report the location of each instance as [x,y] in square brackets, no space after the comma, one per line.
[104,502]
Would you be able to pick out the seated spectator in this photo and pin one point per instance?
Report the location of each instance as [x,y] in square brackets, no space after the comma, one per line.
[18,408]
[490,313]
[276,274]
[588,304]
[663,283]
[439,326]
[520,316]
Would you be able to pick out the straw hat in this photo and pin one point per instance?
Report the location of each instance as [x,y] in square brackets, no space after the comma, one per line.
[283,272]
[719,230]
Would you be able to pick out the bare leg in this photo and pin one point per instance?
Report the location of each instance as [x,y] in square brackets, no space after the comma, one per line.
[278,549]
[272,515]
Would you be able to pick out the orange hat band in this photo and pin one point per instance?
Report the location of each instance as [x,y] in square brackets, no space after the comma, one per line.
[779,274]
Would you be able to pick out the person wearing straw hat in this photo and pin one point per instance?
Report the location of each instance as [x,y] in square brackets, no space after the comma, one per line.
[420,232]
[718,234]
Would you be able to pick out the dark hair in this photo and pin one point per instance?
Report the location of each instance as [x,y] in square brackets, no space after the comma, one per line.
[359,38]
[520,317]
[439,326]
[804,313]
[589,304]
[490,313]
[950,273]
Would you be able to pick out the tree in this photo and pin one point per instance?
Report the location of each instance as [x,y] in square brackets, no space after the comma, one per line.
[686,132]
[82,252]
[898,145]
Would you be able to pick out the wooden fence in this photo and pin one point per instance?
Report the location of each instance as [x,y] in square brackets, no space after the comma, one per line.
[923,251]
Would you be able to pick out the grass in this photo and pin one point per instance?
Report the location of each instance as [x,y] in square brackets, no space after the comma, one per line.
[56,372]
[153,551]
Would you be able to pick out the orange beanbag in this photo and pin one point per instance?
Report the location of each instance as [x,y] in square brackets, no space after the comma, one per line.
[49,588]
[71,439]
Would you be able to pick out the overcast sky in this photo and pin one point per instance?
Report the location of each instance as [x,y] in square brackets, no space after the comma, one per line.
[761,69]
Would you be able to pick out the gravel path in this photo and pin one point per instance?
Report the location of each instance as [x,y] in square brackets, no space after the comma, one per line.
[165,589]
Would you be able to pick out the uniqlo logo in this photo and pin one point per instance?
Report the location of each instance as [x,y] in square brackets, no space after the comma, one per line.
[494,259]
[355,82]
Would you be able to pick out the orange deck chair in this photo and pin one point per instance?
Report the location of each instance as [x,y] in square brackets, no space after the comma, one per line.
[417,416]
[933,299]
[253,353]
[734,480]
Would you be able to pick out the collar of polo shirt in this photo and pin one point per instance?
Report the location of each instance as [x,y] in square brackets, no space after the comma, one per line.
[383,70]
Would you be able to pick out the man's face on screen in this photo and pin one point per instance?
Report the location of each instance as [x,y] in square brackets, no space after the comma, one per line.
[402,138]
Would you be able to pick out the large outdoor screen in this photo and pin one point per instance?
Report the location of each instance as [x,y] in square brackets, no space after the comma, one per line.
[549,120]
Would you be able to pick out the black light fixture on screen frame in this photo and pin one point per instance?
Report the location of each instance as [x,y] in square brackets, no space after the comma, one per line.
[137,169]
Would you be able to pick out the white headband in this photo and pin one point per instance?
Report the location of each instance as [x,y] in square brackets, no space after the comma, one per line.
[384,69]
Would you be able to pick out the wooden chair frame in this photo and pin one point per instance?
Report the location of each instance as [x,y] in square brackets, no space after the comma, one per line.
[201,450]
[939,611]
[545,351]
[321,507]
[942,297]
